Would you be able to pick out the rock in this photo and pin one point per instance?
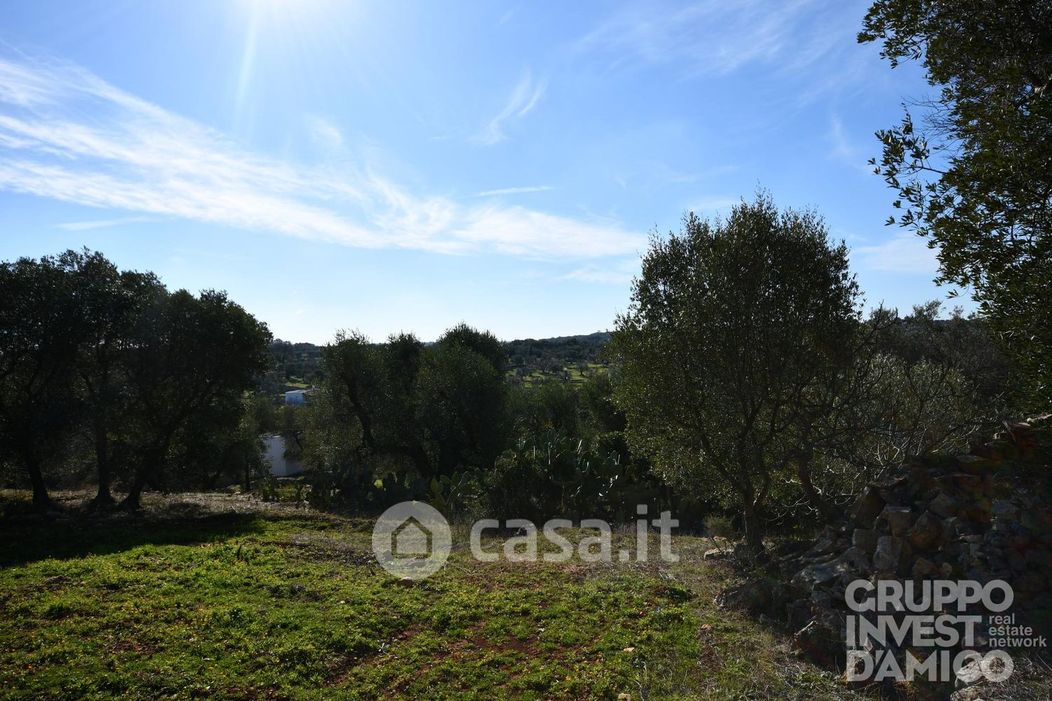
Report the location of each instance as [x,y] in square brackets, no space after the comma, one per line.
[921,481]
[820,642]
[754,596]
[714,554]
[886,557]
[1033,522]
[818,573]
[923,569]
[865,539]
[798,614]
[979,510]
[868,507]
[983,691]
[1004,509]
[895,491]
[966,482]
[973,464]
[937,518]
[826,542]
[854,562]
[926,532]
[943,505]
[899,519]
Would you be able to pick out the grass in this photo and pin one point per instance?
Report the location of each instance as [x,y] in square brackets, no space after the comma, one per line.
[226,598]
[571,373]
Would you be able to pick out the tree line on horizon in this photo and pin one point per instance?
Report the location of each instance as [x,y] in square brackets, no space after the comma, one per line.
[300,363]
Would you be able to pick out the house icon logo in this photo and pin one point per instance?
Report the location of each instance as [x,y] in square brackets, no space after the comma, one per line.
[411,540]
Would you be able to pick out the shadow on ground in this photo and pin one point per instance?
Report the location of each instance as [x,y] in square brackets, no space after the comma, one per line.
[73,531]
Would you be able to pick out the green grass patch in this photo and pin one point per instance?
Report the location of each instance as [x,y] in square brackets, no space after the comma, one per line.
[232,600]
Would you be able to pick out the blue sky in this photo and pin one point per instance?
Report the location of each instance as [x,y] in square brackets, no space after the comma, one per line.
[342,164]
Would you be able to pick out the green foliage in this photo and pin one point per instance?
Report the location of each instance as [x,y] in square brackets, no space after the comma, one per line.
[455,495]
[734,331]
[597,396]
[444,423]
[720,526]
[546,406]
[150,376]
[39,320]
[553,475]
[462,398]
[481,343]
[552,356]
[917,385]
[192,359]
[407,415]
[973,173]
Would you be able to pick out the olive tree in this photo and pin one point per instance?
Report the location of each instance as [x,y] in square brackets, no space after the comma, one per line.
[192,357]
[38,345]
[972,167]
[735,332]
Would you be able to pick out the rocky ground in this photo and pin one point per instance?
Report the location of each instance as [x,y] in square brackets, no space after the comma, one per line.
[982,516]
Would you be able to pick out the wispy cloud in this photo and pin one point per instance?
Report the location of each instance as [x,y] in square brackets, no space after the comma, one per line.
[714,205]
[68,135]
[843,150]
[616,272]
[324,133]
[514,191]
[716,38]
[524,97]
[101,223]
[903,253]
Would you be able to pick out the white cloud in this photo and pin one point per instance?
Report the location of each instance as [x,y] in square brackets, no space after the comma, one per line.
[712,36]
[101,223]
[521,102]
[614,273]
[65,134]
[520,231]
[514,191]
[787,39]
[324,133]
[843,149]
[903,253]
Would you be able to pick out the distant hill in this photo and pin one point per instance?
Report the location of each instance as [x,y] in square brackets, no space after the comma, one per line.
[299,364]
[554,354]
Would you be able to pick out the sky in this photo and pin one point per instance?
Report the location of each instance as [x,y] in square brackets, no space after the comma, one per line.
[405,166]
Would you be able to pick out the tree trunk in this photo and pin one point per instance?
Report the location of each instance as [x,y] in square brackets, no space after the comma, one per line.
[753,529]
[104,498]
[148,470]
[41,499]
[132,502]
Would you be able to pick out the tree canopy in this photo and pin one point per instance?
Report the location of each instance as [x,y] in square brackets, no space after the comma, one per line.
[89,350]
[733,327]
[973,168]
